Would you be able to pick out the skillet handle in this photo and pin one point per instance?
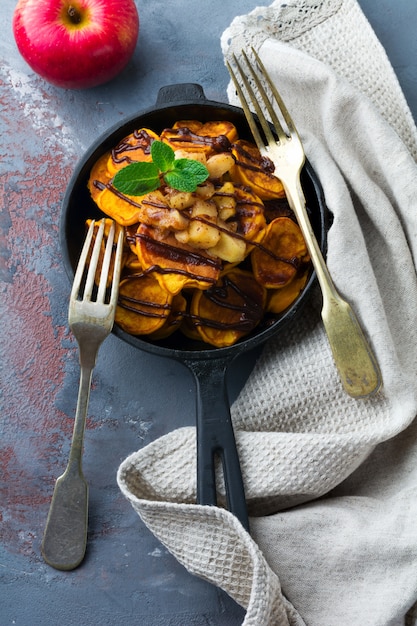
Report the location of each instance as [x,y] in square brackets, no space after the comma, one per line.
[180,92]
[215,437]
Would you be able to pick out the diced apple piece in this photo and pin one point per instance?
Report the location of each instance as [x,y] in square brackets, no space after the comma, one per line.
[180,200]
[229,248]
[219,164]
[225,200]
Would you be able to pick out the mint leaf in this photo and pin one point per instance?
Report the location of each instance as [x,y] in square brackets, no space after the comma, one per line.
[186,175]
[162,155]
[189,167]
[137,179]
[140,178]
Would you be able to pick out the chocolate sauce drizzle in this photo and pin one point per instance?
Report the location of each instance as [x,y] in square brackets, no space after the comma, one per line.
[141,306]
[179,255]
[250,310]
[220,143]
[265,165]
[143,142]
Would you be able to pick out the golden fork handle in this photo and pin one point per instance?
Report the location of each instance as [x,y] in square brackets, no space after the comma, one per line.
[352,354]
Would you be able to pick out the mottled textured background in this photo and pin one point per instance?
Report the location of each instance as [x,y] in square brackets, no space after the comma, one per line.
[127,576]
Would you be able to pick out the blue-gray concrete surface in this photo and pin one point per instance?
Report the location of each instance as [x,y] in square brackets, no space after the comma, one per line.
[127,577]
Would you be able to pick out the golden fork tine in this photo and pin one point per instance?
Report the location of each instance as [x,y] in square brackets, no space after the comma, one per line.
[262,119]
[248,113]
[284,111]
[274,118]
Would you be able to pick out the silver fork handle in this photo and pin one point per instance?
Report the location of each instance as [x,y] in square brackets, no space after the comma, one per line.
[65,537]
[357,366]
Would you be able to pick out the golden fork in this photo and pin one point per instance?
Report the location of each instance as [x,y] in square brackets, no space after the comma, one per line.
[354,359]
[91,320]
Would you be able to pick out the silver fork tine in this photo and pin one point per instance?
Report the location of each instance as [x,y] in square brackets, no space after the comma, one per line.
[79,273]
[106,265]
[117,270]
[92,267]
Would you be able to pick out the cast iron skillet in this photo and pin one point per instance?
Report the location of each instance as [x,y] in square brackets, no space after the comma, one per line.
[215,437]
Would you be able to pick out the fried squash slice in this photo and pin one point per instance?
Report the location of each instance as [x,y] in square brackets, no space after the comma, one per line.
[133,148]
[281,299]
[177,266]
[99,176]
[251,223]
[230,309]
[283,250]
[194,136]
[125,210]
[174,319]
[255,171]
[152,209]
[143,305]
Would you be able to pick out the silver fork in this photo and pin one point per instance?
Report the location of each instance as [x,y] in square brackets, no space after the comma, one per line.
[354,359]
[91,320]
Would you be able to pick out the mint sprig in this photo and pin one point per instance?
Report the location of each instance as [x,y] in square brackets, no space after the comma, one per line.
[140,178]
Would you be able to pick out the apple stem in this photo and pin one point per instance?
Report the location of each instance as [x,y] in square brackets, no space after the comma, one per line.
[74,15]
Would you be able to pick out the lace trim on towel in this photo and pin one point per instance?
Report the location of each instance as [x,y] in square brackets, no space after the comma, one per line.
[284,20]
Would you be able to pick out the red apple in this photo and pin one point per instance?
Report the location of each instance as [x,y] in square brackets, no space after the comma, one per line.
[76,43]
